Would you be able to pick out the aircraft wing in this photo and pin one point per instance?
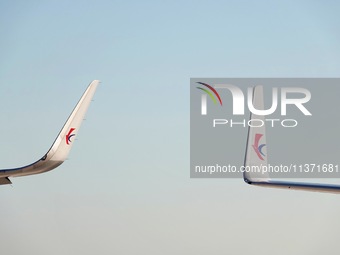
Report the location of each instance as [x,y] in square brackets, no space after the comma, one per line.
[62,145]
[316,187]
[257,154]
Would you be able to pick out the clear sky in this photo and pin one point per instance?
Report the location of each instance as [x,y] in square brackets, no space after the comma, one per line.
[126,188]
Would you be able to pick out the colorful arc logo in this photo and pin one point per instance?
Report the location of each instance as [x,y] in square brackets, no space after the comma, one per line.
[209,90]
[258,148]
[70,135]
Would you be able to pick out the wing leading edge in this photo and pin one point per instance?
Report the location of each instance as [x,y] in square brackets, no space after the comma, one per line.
[62,145]
[256,156]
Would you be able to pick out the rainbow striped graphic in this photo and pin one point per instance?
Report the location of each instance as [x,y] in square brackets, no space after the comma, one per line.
[209,92]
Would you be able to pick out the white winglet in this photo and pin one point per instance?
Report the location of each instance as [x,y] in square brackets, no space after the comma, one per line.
[62,144]
[257,156]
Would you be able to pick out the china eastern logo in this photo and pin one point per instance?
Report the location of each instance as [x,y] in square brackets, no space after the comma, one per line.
[258,147]
[69,136]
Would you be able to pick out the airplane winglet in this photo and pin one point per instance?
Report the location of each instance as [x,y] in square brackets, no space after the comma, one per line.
[62,145]
[257,155]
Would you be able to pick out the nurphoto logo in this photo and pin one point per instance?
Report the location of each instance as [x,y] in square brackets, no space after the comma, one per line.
[302,96]
[288,126]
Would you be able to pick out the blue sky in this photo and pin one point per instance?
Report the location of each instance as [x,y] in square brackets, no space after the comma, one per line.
[126,187]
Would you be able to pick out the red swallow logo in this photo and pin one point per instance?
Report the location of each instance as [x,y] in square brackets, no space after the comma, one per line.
[257,147]
[70,135]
